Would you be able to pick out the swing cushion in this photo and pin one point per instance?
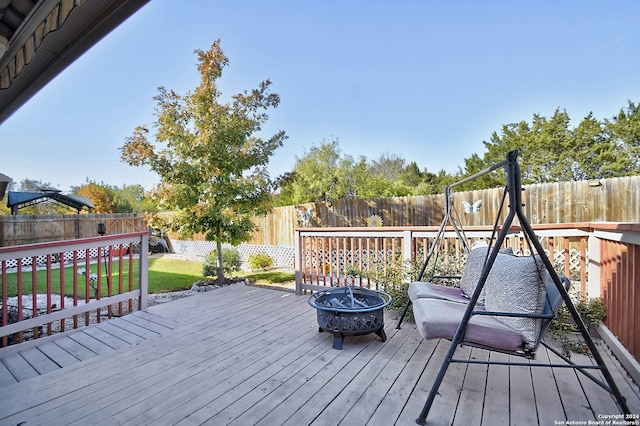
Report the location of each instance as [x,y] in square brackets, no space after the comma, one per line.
[517,284]
[428,290]
[437,318]
[473,270]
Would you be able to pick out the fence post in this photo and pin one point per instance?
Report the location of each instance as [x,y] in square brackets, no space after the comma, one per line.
[407,254]
[298,261]
[144,270]
[593,282]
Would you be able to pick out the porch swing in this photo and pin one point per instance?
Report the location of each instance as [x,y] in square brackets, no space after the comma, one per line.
[505,303]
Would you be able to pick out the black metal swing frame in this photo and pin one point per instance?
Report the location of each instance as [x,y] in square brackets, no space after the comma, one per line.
[514,191]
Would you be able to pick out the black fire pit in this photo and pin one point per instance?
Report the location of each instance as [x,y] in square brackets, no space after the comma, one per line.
[350,311]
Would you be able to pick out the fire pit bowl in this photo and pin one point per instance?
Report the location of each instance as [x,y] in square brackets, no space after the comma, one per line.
[350,311]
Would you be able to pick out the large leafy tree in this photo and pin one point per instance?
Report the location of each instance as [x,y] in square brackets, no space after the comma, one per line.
[551,150]
[314,176]
[212,167]
[388,166]
[131,199]
[624,131]
[112,199]
[325,174]
[99,196]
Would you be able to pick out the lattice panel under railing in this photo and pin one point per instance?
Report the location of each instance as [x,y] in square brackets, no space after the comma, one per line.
[344,259]
[41,261]
[283,256]
[337,260]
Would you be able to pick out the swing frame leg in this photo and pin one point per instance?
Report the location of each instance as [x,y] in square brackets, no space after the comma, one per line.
[404,313]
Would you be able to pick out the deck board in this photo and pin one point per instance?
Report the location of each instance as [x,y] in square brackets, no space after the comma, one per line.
[39,361]
[19,367]
[573,398]
[90,342]
[160,369]
[425,375]
[57,354]
[6,378]
[354,398]
[105,338]
[215,374]
[522,398]
[395,399]
[243,355]
[496,402]
[379,387]
[622,379]
[548,402]
[158,323]
[74,348]
[128,331]
[473,389]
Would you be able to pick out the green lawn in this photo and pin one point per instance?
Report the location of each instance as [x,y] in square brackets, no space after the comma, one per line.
[165,274]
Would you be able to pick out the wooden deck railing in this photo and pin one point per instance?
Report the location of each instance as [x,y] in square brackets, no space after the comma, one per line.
[604,258]
[617,255]
[100,276]
[328,257]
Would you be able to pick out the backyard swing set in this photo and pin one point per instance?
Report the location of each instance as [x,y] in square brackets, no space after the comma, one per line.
[509,300]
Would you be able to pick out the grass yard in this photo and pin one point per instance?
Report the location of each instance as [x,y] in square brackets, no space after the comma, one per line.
[165,274]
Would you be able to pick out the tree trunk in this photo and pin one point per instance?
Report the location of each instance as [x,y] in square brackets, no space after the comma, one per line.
[220,270]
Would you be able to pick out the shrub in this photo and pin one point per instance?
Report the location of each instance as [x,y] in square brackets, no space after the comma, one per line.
[562,327]
[393,275]
[230,262]
[592,311]
[259,261]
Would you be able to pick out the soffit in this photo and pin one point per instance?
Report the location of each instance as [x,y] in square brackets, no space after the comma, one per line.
[46,36]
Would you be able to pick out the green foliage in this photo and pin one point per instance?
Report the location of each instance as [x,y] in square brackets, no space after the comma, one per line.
[112,199]
[258,261]
[393,276]
[230,262]
[99,196]
[325,174]
[400,298]
[563,328]
[592,311]
[271,277]
[131,199]
[212,167]
[624,133]
[551,150]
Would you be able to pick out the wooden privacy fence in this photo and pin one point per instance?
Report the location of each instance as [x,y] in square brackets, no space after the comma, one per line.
[30,229]
[611,200]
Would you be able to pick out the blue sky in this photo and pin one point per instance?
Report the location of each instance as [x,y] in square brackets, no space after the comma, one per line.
[428,81]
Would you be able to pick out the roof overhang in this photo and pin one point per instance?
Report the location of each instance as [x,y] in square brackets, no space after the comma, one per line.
[48,37]
[17,200]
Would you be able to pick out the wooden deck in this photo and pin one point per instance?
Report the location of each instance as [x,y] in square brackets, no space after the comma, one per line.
[245,355]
